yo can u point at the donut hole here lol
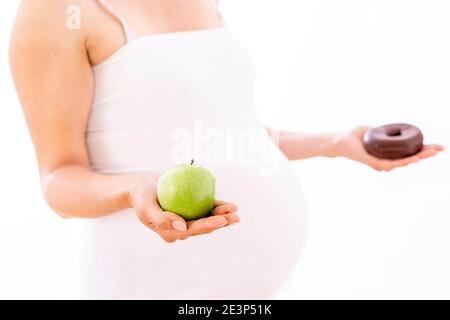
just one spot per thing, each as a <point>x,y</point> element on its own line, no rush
<point>394,132</point>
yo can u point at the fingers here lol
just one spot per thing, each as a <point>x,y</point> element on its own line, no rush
<point>152,215</point>
<point>206,225</point>
<point>437,147</point>
<point>427,153</point>
<point>232,218</point>
<point>196,228</point>
<point>203,226</point>
<point>168,221</point>
<point>222,207</point>
<point>429,149</point>
<point>388,165</point>
<point>403,162</point>
<point>171,227</point>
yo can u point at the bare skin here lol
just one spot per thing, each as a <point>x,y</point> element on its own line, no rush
<point>52,70</point>
<point>348,144</point>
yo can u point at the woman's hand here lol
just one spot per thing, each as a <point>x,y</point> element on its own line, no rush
<point>170,226</point>
<point>350,145</point>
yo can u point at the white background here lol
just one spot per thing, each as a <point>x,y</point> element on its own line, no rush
<point>323,65</point>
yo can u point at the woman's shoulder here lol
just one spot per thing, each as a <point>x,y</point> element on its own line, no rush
<point>42,22</point>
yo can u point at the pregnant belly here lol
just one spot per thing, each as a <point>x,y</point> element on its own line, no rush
<point>123,259</point>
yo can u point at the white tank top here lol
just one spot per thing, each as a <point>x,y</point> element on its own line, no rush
<point>159,101</point>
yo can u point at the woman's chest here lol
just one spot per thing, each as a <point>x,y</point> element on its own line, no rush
<point>106,34</point>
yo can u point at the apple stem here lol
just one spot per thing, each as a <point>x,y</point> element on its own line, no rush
<point>192,162</point>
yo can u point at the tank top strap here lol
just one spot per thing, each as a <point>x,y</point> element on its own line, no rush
<point>130,35</point>
<point>215,4</point>
<point>128,32</point>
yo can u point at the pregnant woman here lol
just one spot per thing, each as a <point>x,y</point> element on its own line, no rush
<point>111,94</point>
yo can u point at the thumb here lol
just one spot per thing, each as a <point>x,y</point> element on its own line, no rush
<point>168,220</point>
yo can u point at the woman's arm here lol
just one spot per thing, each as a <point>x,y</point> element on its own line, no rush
<point>297,146</point>
<point>55,84</point>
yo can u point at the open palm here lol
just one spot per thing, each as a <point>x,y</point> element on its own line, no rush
<point>351,146</point>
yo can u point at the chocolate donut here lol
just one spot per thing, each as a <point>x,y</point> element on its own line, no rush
<point>393,141</point>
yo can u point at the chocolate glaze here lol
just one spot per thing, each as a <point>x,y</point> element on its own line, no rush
<point>393,141</point>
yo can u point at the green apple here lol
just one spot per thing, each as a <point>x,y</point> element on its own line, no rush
<point>187,190</point>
